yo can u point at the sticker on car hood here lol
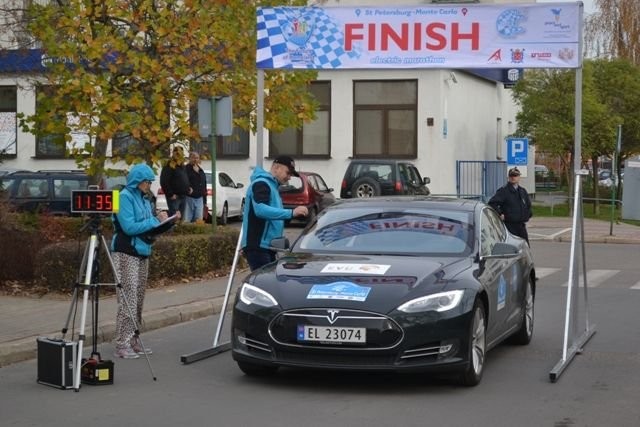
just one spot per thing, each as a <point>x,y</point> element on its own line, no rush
<point>339,291</point>
<point>355,268</point>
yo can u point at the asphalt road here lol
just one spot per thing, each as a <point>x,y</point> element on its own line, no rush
<point>599,388</point>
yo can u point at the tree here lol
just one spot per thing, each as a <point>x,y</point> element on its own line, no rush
<point>615,28</point>
<point>133,69</point>
<point>546,98</point>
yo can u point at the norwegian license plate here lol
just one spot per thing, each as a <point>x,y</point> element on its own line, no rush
<point>332,334</point>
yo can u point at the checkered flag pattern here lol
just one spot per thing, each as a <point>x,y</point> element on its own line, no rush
<point>336,232</point>
<point>325,43</point>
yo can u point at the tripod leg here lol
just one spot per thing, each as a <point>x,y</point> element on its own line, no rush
<point>74,297</point>
<point>91,250</point>
<point>127,305</point>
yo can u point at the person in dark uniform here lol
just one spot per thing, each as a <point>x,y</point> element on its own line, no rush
<point>513,204</point>
<point>175,182</point>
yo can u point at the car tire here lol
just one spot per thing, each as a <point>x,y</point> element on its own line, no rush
<point>224,216</point>
<point>365,187</point>
<point>253,370</point>
<point>477,346</point>
<point>524,334</point>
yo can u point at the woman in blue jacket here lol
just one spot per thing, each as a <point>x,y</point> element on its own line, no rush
<point>135,228</point>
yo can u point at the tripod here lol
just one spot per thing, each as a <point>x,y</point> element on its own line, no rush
<point>88,277</point>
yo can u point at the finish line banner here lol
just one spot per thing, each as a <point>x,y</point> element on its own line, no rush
<point>446,36</point>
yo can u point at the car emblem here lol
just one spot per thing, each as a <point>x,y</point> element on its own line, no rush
<point>332,317</point>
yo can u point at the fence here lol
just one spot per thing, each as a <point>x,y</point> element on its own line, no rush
<point>479,178</point>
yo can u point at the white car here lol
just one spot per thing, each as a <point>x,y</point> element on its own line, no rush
<point>229,197</point>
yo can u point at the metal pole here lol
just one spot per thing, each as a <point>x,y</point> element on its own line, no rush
<point>614,178</point>
<point>260,119</point>
<point>214,178</point>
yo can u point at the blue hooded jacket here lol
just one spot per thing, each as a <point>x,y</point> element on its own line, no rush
<point>135,216</point>
<point>263,222</point>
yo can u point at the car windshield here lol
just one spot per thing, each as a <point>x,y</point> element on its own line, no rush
<point>393,232</point>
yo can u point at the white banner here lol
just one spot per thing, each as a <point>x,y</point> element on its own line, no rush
<point>438,36</point>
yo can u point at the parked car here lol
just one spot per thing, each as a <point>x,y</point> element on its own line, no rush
<point>229,198</point>
<point>308,190</point>
<point>388,284</point>
<point>49,191</point>
<point>369,178</point>
<point>541,171</point>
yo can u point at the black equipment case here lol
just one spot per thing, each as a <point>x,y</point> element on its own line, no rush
<point>56,362</point>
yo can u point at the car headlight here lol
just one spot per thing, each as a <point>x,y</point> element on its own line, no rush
<point>252,295</point>
<point>442,301</point>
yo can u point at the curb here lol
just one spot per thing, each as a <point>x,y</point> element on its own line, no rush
<point>25,348</point>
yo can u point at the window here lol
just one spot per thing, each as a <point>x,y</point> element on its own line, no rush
<point>314,138</point>
<point>491,231</point>
<point>385,118</point>
<point>123,143</point>
<point>48,145</point>
<point>234,146</point>
<point>8,121</point>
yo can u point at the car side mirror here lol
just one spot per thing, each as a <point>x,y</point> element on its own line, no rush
<point>280,244</point>
<point>239,185</point>
<point>426,180</point>
<point>330,190</point>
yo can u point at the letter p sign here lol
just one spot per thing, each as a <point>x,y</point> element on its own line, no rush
<point>517,151</point>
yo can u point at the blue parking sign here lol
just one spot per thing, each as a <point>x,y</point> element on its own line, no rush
<point>517,151</point>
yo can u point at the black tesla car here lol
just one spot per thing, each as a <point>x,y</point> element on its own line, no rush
<point>399,283</point>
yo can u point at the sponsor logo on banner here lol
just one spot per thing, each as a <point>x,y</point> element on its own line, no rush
<point>509,22</point>
<point>513,75</point>
<point>566,54</point>
<point>517,56</point>
<point>496,57</point>
<point>556,27</point>
<point>541,56</point>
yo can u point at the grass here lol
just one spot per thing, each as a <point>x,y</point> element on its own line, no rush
<point>562,210</point>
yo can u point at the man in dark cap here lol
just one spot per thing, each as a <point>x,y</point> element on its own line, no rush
<point>513,204</point>
<point>264,215</point>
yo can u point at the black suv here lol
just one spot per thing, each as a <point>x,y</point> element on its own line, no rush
<point>48,191</point>
<point>369,178</point>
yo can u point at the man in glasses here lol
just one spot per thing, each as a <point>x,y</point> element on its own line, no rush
<point>264,216</point>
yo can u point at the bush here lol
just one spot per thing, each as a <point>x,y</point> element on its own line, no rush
<point>174,257</point>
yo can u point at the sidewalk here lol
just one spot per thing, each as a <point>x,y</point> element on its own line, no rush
<point>23,319</point>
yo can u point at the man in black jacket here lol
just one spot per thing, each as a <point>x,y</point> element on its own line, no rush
<point>174,182</point>
<point>513,204</point>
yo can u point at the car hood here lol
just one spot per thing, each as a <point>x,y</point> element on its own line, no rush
<point>377,283</point>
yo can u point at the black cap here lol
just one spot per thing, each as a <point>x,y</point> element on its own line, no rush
<point>288,162</point>
<point>514,172</point>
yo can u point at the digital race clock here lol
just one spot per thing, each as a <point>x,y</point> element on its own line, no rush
<point>95,201</point>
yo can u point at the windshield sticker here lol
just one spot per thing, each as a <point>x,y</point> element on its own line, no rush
<point>441,226</point>
<point>502,293</point>
<point>379,269</point>
<point>339,291</point>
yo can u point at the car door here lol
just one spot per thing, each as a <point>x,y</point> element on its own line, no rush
<point>493,275</point>
<point>326,194</point>
<point>233,195</point>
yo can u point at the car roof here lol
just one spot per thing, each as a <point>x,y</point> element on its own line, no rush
<point>424,202</point>
<point>380,161</point>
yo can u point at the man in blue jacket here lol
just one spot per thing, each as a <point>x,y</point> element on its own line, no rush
<point>264,215</point>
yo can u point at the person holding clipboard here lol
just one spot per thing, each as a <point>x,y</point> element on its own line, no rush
<point>135,230</point>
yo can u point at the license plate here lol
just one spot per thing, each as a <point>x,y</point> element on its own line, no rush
<point>332,334</point>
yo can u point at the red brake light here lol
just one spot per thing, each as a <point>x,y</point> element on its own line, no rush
<point>344,184</point>
<point>398,186</point>
<point>160,191</point>
<point>209,192</point>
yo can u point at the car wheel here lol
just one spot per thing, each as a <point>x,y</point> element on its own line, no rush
<point>365,187</point>
<point>253,370</point>
<point>525,332</point>
<point>224,217</point>
<point>477,346</point>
